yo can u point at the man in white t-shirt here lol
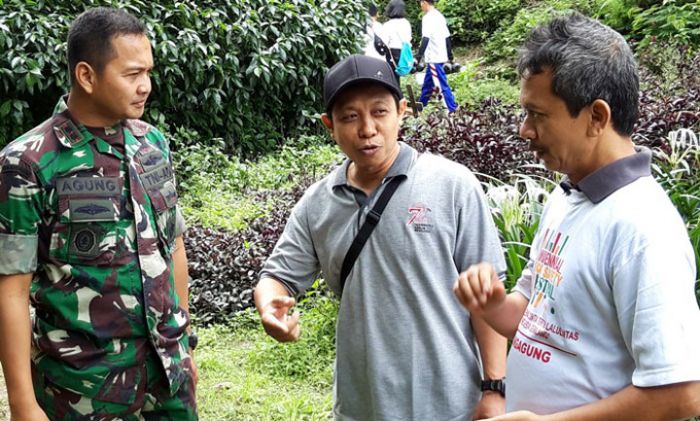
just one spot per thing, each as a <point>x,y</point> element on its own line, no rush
<point>604,320</point>
<point>435,47</point>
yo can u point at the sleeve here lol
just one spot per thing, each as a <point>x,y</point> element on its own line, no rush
<point>180,224</point>
<point>164,143</point>
<point>406,36</point>
<point>421,50</point>
<point>658,313</point>
<point>477,238</point>
<point>448,46</point>
<point>20,215</point>
<point>293,260</point>
<point>425,27</point>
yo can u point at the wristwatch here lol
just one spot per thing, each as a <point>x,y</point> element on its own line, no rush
<point>498,385</point>
<point>192,340</point>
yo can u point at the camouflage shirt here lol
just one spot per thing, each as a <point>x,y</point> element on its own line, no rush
<point>96,223</point>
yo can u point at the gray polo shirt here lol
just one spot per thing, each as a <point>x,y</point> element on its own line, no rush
<point>405,348</point>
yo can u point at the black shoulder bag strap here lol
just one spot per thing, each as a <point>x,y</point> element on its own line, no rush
<point>366,230</point>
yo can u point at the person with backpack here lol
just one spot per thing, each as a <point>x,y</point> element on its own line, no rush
<point>397,37</point>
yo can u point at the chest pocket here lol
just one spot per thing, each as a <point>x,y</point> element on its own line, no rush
<point>87,227</point>
<point>158,180</point>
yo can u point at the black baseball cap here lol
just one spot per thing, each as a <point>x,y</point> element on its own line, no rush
<point>355,69</point>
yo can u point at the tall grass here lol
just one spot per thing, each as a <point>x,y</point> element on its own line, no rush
<point>516,208</point>
<point>677,169</point>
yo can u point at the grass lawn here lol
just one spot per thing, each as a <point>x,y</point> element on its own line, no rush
<point>245,375</point>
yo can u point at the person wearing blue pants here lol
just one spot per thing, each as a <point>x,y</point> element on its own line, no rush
<point>435,47</point>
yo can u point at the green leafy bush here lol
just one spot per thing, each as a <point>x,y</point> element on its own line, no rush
<point>674,22</point>
<point>473,85</point>
<point>221,191</point>
<point>246,71</point>
<point>473,21</point>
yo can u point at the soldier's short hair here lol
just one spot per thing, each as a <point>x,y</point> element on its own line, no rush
<point>90,36</point>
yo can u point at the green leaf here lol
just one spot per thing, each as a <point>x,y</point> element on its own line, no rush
<point>5,108</point>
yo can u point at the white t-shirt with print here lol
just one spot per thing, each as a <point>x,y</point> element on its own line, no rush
<point>612,302</point>
<point>434,27</point>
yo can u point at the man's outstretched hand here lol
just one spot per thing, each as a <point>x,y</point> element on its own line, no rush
<point>277,321</point>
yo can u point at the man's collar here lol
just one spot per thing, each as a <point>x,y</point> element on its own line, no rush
<point>401,166</point>
<point>71,133</point>
<point>607,180</point>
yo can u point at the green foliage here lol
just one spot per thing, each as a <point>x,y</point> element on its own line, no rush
<point>215,188</point>
<point>245,71</point>
<point>475,20</point>
<point>473,85</point>
<point>618,14</point>
<point>673,69</point>
<point>678,172</point>
<point>673,21</point>
<point>504,43</point>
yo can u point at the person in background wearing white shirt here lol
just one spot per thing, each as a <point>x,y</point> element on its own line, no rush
<point>436,48</point>
<point>374,29</point>
<point>397,29</point>
<point>604,319</point>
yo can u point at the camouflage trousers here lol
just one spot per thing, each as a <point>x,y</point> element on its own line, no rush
<point>153,402</point>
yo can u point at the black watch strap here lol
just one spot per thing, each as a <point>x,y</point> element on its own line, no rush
<point>498,385</point>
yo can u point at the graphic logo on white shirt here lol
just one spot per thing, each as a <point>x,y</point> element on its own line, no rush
<point>420,218</point>
<point>547,270</point>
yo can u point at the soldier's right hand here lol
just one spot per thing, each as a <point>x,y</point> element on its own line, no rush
<point>29,413</point>
<point>277,321</point>
<point>479,289</point>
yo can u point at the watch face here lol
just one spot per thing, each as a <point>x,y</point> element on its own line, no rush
<point>193,340</point>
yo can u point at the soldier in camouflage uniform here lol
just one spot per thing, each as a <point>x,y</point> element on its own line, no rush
<point>91,232</point>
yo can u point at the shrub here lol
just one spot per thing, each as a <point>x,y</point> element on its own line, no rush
<point>670,97</point>
<point>675,22</point>
<point>485,140</point>
<point>472,21</point>
<point>218,191</point>
<point>245,71</point>
<point>505,42</point>
<point>474,85</point>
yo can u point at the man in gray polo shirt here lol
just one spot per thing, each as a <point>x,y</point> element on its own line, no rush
<point>405,347</point>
